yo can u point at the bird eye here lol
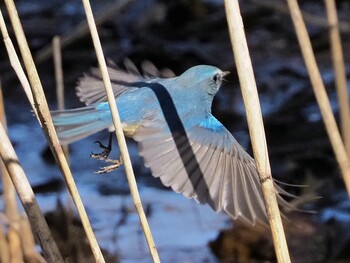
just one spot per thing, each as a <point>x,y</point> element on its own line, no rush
<point>216,78</point>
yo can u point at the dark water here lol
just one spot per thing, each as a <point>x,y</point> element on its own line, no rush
<point>178,35</point>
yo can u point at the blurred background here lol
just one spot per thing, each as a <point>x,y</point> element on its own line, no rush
<point>178,35</point>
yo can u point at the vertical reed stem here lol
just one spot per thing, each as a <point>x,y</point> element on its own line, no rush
<point>57,59</point>
<point>119,132</point>
<point>320,92</point>
<point>10,200</point>
<point>43,114</point>
<point>340,74</point>
<point>28,243</point>
<point>26,195</point>
<point>4,247</point>
<point>256,126</point>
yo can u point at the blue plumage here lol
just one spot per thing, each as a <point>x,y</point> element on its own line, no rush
<point>179,139</point>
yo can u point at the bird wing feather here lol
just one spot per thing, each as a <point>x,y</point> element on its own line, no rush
<point>91,89</point>
<point>207,165</point>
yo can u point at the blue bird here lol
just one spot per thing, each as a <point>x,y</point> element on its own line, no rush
<point>179,139</point>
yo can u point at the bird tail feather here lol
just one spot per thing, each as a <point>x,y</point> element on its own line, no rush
<point>75,124</point>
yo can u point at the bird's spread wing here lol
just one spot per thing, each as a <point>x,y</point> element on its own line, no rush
<point>206,164</point>
<point>91,90</point>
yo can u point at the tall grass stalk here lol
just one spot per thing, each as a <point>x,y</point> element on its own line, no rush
<point>26,195</point>
<point>10,200</point>
<point>310,17</point>
<point>256,126</point>
<point>119,132</point>
<point>57,60</point>
<point>82,29</point>
<point>30,254</point>
<point>4,248</point>
<point>320,92</point>
<point>43,114</point>
<point>340,74</point>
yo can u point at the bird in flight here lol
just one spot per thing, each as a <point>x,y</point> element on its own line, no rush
<point>178,137</point>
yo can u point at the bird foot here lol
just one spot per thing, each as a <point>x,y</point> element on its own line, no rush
<point>102,155</point>
<point>109,168</point>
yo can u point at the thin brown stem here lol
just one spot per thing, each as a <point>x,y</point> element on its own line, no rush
<point>4,248</point>
<point>320,92</point>
<point>310,18</point>
<point>26,195</point>
<point>119,133</point>
<point>340,74</point>
<point>10,200</point>
<point>43,114</point>
<point>57,60</point>
<point>82,29</point>
<point>28,243</point>
<point>256,126</point>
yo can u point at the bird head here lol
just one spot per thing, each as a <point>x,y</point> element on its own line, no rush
<point>204,77</point>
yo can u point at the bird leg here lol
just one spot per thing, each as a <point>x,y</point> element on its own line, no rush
<point>106,149</point>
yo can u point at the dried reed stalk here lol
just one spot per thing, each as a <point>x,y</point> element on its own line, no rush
<point>26,195</point>
<point>119,132</point>
<point>15,63</point>
<point>57,60</point>
<point>13,235</point>
<point>82,29</point>
<point>28,243</point>
<point>4,247</point>
<point>10,201</point>
<point>41,107</point>
<point>256,126</point>
<point>320,92</point>
<point>340,74</point>
<point>310,18</point>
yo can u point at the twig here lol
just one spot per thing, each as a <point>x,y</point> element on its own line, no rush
<point>82,29</point>
<point>340,74</point>
<point>119,132</point>
<point>40,105</point>
<point>28,200</point>
<point>256,126</point>
<point>308,17</point>
<point>320,92</point>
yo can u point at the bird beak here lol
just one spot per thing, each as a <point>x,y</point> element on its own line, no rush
<point>225,73</point>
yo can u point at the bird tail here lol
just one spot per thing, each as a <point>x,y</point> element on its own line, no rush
<point>75,124</point>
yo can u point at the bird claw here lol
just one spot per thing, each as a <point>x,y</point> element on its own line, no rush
<point>102,155</point>
<point>109,168</point>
